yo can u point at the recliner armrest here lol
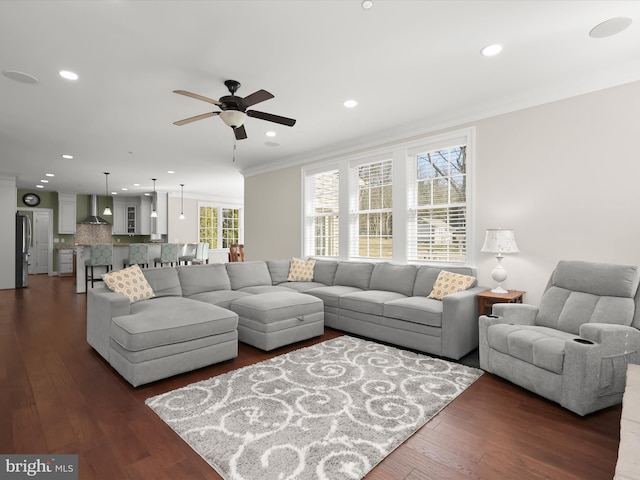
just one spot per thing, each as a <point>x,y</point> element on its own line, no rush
<point>605,333</point>
<point>516,313</point>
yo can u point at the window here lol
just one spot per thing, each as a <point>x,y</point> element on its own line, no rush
<point>406,202</point>
<point>322,217</point>
<point>230,226</point>
<point>209,226</point>
<point>438,205</point>
<point>220,227</point>
<point>374,210</point>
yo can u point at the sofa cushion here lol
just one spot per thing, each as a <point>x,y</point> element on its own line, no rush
<point>427,275</point>
<point>331,295</point>
<point>169,320</point>
<point>353,274</point>
<point>449,282</point>
<point>301,286</point>
<point>269,308</point>
<point>130,282</point>
<point>221,298</point>
<point>369,301</point>
<point>248,274</point>
<point>203,278</point>
<point>539,346</point>
<point>422,310</point>
<point>164,281</point>
<point>279,270</point>
<point>325,271</point>
<point>259,289</point>
<point>301,270</point>
<point>393,278</point>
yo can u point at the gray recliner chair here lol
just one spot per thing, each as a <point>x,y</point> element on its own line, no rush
<point>574,348</point>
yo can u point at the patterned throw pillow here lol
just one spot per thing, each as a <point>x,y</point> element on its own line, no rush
<point>301,270</point>
<point>130,282</point>
<point>449,282</point>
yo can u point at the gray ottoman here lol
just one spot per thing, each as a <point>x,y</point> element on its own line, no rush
<point>271,320</point>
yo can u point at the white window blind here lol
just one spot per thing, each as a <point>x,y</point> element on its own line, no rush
<point>372,228</point>
<point>322,217</point>
<point>437,229</point>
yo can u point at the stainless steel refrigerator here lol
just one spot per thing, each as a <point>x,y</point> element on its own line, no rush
<point>23,242</point>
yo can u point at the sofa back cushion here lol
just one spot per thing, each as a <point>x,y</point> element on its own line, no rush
<point>164,281</point>
<point>324,271</point>
<point>393,278</point>
<point>427,275</point>
<point>279,270</point>
<point>203,278</point>
<point>248,274</point>
<point>353,274</point>
<point>587,292</point>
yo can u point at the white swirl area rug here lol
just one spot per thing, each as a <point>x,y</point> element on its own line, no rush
<point>330,411</point>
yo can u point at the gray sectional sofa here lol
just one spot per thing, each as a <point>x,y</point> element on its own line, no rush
<point>200,312</point>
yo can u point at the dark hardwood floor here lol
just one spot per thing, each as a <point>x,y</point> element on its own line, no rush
<point>58,396</point>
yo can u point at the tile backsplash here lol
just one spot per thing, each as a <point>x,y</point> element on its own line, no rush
<point>92,234</point>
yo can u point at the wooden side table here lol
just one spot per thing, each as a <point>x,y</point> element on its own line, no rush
<point>487,298</point>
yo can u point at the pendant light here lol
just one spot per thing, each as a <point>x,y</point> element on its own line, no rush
<point>154,201</point>
<point>181,217</point>
<point>107,210</point>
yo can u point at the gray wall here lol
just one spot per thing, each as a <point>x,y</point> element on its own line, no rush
<point>564,175</point>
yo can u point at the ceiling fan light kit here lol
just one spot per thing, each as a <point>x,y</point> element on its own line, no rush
<point>233,109</point>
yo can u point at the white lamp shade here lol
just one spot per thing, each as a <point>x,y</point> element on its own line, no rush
<point>233,118</point>
<point>500,240</point>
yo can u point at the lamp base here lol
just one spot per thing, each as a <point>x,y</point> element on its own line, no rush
<point>499,289</point>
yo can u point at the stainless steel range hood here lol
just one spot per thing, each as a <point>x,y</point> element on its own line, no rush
<point>94,219</point>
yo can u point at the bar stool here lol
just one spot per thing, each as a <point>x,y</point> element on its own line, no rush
<point>138,255</point>
<point>101,256</point>
<point>168,254</point>
<point>201,255</point>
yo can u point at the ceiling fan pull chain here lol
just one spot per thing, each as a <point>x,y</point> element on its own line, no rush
<point>234,150</point>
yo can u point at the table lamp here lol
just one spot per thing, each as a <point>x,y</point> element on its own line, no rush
<point>499,241</point>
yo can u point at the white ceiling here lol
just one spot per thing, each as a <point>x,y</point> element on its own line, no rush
<point>413,66</point>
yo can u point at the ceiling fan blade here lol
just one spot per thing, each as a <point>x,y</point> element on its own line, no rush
<point>196,96</point>
<point>196,118</point>
<point>240,132</point>
<point>270,117</point>
<point>256,97</point>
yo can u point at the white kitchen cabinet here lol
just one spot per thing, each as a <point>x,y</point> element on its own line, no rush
<point>144,215</point>
<point>160,225</point>
<point>65,262</point>
<point>119,216</point>
<point>66,213</point>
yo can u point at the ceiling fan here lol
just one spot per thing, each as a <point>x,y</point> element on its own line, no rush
<point>233,109</point>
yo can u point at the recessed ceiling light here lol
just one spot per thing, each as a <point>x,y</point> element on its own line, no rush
<point>39,186</point>
<point>49,174</point>
<point>367,4</point>
<point>148,194</point>
<point>67,156</point>
<point>350,103</point>
<point>124,189</point>
<point>270,133</point>
<point>491,50</point>
<point>68,75</point>
<point>136,184</point>
<point>20,76</point>
<point>44,181</point>
<point>170,171</point>
<point>114,193</point>
<point>610,27</point>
